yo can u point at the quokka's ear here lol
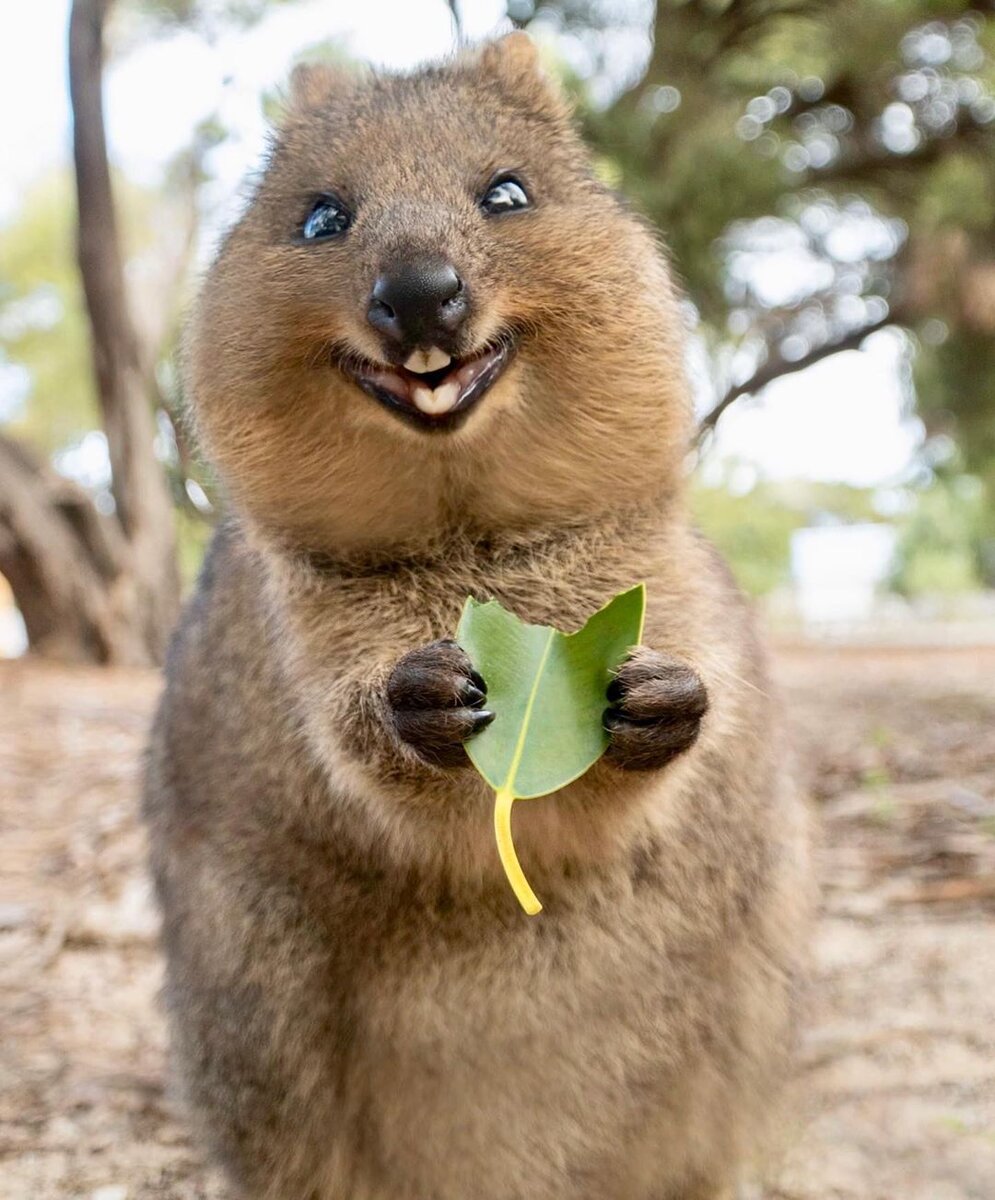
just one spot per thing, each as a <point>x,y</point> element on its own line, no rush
<point>514,61</point>
<point>514,55</point>
<point>313,84</point>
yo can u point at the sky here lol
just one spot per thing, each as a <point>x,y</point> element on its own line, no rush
<point>841,420</point>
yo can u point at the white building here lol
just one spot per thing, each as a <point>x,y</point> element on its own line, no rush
<point>838,571</point>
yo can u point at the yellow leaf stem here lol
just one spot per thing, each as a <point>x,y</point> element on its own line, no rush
<point>504,798</point>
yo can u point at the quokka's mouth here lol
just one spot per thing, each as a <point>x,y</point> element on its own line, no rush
<point>432,390</point>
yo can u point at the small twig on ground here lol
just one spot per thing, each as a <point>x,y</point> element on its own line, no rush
<point>949,891</point>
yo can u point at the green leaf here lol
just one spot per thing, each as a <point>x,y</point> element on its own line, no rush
<point>547,692</point>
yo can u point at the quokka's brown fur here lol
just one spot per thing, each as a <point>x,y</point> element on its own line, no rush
<point>359,1009</point>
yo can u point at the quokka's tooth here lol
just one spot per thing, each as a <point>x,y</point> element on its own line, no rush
<point>447,394</point>
<point>420,362</point>
<point>436,359</point>
<point>435,403</point>
<point>417,361</point>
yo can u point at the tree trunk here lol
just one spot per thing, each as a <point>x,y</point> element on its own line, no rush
<point>67,566</point>
<point>144,510</point>
<point>90,586</point>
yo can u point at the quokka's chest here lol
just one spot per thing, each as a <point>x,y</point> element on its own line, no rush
<point>424,602</point>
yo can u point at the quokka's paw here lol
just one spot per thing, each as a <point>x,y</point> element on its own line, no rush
<point>656,706</point>
<point>436,701</point>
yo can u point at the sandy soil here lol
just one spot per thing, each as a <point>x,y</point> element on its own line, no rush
<point>897,1085</point>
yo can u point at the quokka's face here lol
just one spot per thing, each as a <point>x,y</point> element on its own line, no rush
<point>419,240</point>
<point>432,315</point>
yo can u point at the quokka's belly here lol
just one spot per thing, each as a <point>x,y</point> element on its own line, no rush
<point>536,1078</point>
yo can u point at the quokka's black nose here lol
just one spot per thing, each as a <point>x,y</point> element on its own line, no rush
<point>419,303</point>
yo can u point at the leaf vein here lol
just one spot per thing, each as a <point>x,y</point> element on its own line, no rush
<point>523,733</point>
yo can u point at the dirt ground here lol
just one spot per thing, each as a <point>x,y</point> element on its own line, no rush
<point>897,1083</point>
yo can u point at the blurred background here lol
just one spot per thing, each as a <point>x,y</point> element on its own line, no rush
<point>823,173</point>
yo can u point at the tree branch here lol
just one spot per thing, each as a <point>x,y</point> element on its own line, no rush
<point>142,501</point>
<point>116,354</point>
<point>777,366</point>
<point>873,163</point>
<point>457,17</point>
<point>64,563</point>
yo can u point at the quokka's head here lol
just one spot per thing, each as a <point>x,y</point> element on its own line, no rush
<point>433,313</point>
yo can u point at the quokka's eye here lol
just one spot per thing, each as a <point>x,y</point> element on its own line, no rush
<point>505,194</point>
<point>328,218</point>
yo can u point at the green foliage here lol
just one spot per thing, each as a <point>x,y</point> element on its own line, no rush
<point>812,115</point>
<point>547,692</point>
<point>775,108</point>
<point>955,381</point>
<point>140,19</point>
<point>753,531</point>
<point>959,193</point>
<point>948,570</point>
<point>939,545</point>
<point>42,321</point>
<point>43,324</point>
<point>944,544</point>
<point>753,527</point>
